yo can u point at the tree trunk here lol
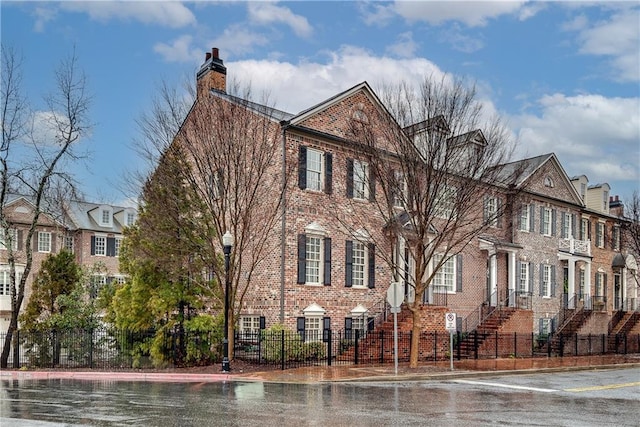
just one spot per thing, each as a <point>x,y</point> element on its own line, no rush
<point>6,348</point>
<point>414,307</point>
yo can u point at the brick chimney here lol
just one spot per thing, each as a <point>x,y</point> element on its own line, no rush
<point>212,74</point>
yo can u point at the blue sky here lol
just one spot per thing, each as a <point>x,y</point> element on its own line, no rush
<point>565,76</point>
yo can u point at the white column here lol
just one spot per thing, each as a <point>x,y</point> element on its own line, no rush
<point>493,268</point>
<point>587,284</point>
<point>512,278</point>
<point>571,289</point>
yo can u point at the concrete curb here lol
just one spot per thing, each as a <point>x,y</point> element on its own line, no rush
<point>114,376</point>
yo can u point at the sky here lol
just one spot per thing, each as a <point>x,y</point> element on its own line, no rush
<point>564,76</point>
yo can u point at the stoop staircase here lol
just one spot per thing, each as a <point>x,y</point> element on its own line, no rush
<point>574,319</point>
<point>621,324</point>
<point>488,327</point>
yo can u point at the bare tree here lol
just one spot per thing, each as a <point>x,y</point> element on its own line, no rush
<point>233,149</point>
<point>435,158</point>
<point>33,159</point>
<point>631,228</point>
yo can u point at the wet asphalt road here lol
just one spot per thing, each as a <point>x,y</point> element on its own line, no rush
<point>583,398</point>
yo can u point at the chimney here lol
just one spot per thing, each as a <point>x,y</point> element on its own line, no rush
<point>212,74</point>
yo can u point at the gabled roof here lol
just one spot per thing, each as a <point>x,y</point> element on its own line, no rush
<point>474,136</point>
<point>437,123</point>
<point>527,168</point>
<point>364,86</point>
<point>47,209</point>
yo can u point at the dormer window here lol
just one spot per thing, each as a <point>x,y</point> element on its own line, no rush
<point>106,216</point>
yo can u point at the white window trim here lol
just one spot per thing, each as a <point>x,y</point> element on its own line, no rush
<point>360,179</point>
<point>365,264</point>
<point>440,275</point>
<point>320,172</point>
<point>14,239</point>
<point>524,276</point>
<point>253,321</point>
<point>313,334</point>
<point>546,222</point>
<point>320,260</point>
<point>100,236</point>
<point>40,242</point>
<point>525,219</point>
<point>600,231</point>
<point>546,279</point>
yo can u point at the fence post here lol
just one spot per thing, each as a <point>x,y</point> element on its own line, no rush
<point>515,344</point>
<point>497,344</point>
<point>91,348</point>
<point>459,343</point>
<point>603,343</point>
<point>561,350</point>
<point>282,350</point>
<point>329,345</point>
<point>435,346</point>
<point>356,348</point>
<point>475,344</point>
<point>381,345</point>
<point>548,345</point>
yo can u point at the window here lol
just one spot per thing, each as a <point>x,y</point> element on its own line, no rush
<point>313,328</point>
<point>399,190</point>
<point>600,235</point>
<point>13,236</point>
<point>600,282</point>
<point>44,241</point>
<point>119,279</point>
<point>105,217</point>
<point>314,259</point>
<point>68,243</point>
<point>566,225</point>
<point>250,324</point>
<point>548,182</point>
<point>314,256</point>
<point>523,280</point>
<point>359,264</point>
<point>581,284</point>
<point>615,238</point>
<point>546,222</point>
<point>131,218</point>
<point>5,283</point>
<point>446,202</point>
<point>492,211</point>
<point>97,282</point>
<point>360,184</point>
<point>314,165</point>
<point>445,277</point>
<point>100,246</point>
<point>117,243</point>
<point>546,282</point>
<point>525,218</point>
<point>546,326</point>
<point>584,229</point>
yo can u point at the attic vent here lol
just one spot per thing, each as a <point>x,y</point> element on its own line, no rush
<point>548,182</point>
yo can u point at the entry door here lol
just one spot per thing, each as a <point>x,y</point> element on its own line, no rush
<point>617,292</point>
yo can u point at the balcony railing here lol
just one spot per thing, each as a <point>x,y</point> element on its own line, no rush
<point>574,246</point>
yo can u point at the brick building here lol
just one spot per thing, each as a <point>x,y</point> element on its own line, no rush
<point>92,232</point>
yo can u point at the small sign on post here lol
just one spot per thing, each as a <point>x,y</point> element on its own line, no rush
<point>395,298</point>
<point>450,324</point>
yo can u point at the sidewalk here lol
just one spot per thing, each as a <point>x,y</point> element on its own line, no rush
<point>345,373</point>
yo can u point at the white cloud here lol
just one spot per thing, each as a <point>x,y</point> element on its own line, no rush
<point>238,39</point>
<point>405,47</point>
<point>178,51</point>
<point>591,134</point>
<point>459,41</point>
<point>618,38</point>
<point>470,13</point>
<point>165,13</point>
<point>268,13</point>
<point>43,15</point>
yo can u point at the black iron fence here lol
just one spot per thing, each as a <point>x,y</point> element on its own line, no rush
<point>283,349</point>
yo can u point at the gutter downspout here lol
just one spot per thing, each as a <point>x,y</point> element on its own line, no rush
<point>284,125</point>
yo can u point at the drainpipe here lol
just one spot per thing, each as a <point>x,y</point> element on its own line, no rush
<point>284,125</point>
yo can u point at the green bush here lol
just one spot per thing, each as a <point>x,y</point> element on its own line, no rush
<point>272,340</point>
<point>204,333</point>
<point>314,350</point>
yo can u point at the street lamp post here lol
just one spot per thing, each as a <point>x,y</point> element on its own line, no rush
<point>227,244</point>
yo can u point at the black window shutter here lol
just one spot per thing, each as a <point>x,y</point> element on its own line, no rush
<point>328,173</point>
<point>326,329</point>
<point>348,326</point>
<point>371,277</point>
<point>350,178</point>
<point>372,184</point>
<point>499,212</point>
<point>540,326</point>
<point>348,264</point>
<point>93,245</point>
<point>532,219</point>
<point>604,285</point>
<point>19,240</point>
<point>520,220</point>
<point>574,218</point>
<point>370,323</point>
<point>541,219</point>
<point>459,273</point>
<point>530,288</point>
<point>604,235</point>
<point>300,327</point>
<point>302,258</point>
<point>553,280</point>
<point>553,325</point>
<point>302,167</point>
<point>54,238</point>
<point>111,246</point>
<point>563,227</point>
<point>518,270</point>
<point>327,261</point>
<point>263,323</point>
<point>553,222</point>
